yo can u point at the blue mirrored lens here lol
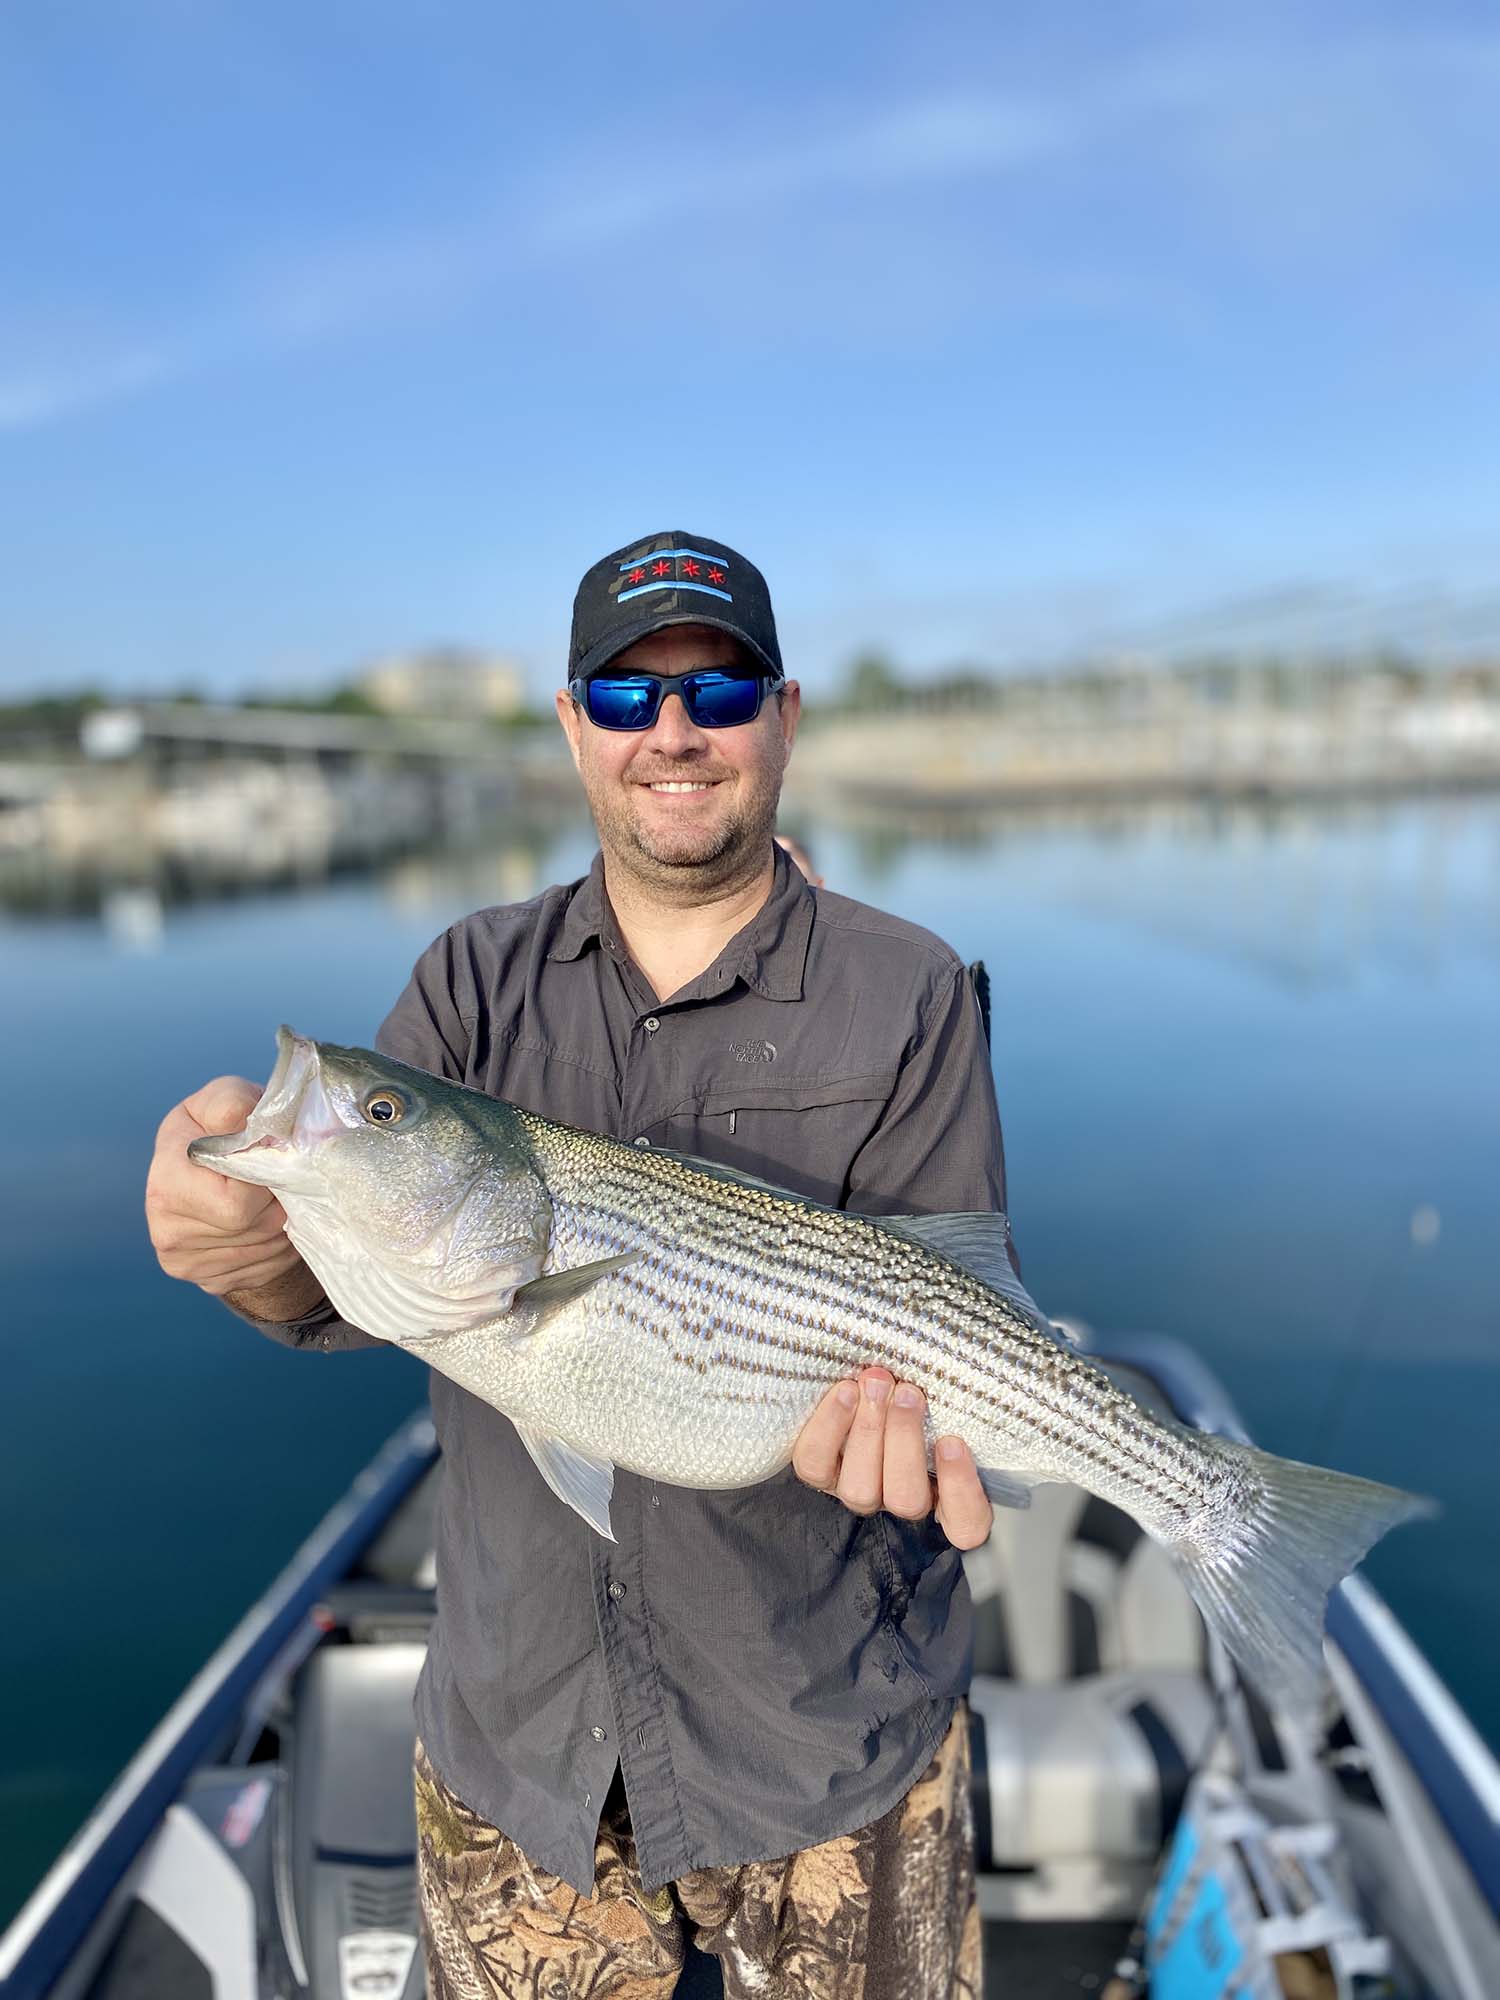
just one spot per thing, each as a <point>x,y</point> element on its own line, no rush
<point>713,699</point>
<point>624,704</point>
<point>720,701</point>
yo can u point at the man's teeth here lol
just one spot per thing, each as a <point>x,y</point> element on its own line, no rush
<point>675,786</point>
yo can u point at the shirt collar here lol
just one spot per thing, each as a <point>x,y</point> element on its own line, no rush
<point>769,954</point>
<point>589,919</point>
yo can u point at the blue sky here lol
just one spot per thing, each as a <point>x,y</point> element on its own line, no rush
<point>989,332</point>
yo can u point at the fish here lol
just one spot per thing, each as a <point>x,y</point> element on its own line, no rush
<point>634,1307</point>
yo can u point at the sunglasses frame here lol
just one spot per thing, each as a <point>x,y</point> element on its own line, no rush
<point>666,684</point>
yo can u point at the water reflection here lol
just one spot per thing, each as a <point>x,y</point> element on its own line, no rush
<point>1311,896</point>
<point>513,870</point>
<point>134,919</point>
<point>501,860</point>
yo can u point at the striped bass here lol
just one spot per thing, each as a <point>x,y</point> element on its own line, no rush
<point>632,1307</point>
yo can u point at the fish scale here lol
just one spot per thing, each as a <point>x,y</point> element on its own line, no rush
<point>626,1306</point>
<point>1069,1421</point>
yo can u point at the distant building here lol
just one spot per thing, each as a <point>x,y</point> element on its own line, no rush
<point>457,681</point>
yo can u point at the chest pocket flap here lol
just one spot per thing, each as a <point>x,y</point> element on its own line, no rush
<point>800,1135</point>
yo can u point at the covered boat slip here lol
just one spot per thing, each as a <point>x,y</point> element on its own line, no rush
<point>1130,1799</point>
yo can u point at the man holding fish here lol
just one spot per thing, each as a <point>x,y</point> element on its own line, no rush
<point>739,1721</point>
<point>751,1678</point>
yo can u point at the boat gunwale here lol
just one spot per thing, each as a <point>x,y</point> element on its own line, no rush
<point>35,1949</point>
<point>1449,1758</point>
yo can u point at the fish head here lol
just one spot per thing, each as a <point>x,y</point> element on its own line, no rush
<point>382,1167</point>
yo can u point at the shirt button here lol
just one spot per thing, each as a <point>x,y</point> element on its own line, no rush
<point>597,1733</point>
<point>651,1024</point>
<point>617,1591</point>
<point>642,1140</point>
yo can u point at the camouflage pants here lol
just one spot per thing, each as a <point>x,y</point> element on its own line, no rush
<point>887,1913</point>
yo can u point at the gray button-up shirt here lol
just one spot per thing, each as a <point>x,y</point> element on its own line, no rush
<point>767,1669</point>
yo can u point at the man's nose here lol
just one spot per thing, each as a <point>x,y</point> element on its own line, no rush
<point>674,729</point>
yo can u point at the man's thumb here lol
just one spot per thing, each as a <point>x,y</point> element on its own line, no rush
<point>225,1104</point>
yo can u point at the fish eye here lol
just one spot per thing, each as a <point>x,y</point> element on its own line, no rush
<point>384,1107</point>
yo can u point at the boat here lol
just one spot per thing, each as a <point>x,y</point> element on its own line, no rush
<point>1142,1821</point>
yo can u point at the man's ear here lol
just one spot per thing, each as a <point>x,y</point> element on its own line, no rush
<point>790,705</point>
<point>570,715</point>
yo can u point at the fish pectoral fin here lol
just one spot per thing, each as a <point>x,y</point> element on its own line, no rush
<point>585,1484</point>
<point>545,1296</point>
<point>1006,1489</point>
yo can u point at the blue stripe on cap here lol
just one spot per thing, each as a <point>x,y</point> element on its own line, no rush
<point>659,555</point>
<point>670,583</point>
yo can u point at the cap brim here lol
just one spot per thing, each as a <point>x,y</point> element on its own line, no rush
<point>608,649</point>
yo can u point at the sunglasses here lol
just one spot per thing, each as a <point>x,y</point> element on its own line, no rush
<point>714,697</point>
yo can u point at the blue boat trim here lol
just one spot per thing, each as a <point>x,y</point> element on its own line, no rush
<point>1452,1789</point>
<point>47,1938</point>
<point>1455,1791</point>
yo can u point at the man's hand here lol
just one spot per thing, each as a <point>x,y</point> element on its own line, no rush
<point>865,1444</point>
<point>223,1235</point>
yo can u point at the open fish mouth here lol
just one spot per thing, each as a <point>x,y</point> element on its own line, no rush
<point>294,1115</point>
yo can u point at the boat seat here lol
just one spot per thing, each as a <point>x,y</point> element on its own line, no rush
<point>1084,1771</point>
<point>353,1820</point>
<point>1071,1586</point>
<point>1090,1705</point>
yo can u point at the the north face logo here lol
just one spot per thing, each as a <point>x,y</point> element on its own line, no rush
<point>753,1051</point>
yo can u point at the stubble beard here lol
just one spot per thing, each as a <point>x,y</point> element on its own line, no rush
<point>687,866</point>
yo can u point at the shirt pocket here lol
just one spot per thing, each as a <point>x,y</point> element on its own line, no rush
<point>803,1135</point>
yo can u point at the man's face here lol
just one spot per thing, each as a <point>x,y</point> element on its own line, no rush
<point>674,803</point>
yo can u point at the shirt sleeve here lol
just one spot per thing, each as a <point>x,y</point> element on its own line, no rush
<point>431,1026</point>
<point>428,1029</point>
<point>938,1147</point>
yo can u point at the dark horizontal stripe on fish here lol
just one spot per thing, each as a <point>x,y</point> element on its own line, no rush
<point>904,1345</point>
<point>1066,1402</point>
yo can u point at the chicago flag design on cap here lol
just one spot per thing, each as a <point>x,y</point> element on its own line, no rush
<point>674,569</point>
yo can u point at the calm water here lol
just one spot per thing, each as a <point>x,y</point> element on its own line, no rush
<point>1248,1073</point>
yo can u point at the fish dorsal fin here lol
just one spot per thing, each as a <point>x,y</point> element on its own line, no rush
<point>585,1484</point>
<point>979,1243</point>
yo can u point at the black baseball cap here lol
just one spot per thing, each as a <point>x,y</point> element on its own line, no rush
<point>670,579</point>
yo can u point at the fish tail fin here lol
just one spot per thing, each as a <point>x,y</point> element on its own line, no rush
<point>1263,1584</point>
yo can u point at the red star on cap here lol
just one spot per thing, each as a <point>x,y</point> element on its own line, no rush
<point>661,569</point>
<point>716,576</point>
<point>636,576</point>
<point>690,568</point>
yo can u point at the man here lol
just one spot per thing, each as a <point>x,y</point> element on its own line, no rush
<point>742,1720</point>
